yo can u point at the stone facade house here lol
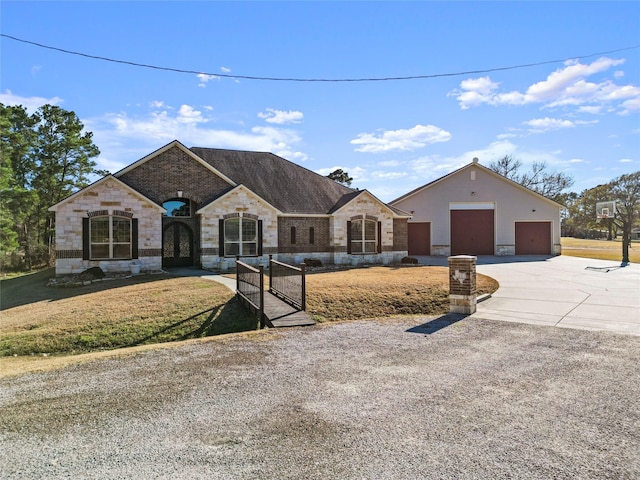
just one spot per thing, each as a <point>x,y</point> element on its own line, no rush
<point>476,211</point>
<point>205,206</point>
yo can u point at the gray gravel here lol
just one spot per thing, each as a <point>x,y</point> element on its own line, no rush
<point>366,400</point>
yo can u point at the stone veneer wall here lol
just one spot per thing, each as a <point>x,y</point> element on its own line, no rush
<point>364,205</point>
<point>240,201</point>
<point>108,195</point>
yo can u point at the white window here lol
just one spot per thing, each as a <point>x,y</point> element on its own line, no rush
<point>363,236</point>
<point>240,237</point>
<point>110,237</point>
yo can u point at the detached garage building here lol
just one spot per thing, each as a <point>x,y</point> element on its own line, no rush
<point>476,211</point>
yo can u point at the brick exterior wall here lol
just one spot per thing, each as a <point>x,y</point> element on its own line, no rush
<point>400,234</point>
<point>161,177</point>
<point>321,240</point>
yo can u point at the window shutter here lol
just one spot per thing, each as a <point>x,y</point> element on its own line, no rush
<point>349,237</point>
<point>86,239</point>
<point>221,237</point>
<point>379,237</point>
<point>259,237</point>
<point>293,235</point>
<point>134,238</point>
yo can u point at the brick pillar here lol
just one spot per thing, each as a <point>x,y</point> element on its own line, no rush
<point>462,284</point>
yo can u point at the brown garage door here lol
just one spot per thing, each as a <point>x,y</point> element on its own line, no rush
<point>533,238</point>
<point>419,238</point>
<point>472,232</point>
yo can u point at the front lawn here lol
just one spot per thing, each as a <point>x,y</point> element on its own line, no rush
<point>147,309</point>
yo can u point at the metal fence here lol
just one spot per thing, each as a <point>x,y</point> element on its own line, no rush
<point>250,287</point>
<point>288,282</point>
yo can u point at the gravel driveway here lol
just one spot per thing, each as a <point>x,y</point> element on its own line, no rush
<point>367,400</point>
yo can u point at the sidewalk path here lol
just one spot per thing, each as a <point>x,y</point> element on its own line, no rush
<point>197,272</point>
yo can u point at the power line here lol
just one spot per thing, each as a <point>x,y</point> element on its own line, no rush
<point>293,79</point>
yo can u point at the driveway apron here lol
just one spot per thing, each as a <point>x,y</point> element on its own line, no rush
<point>561,291</point>
<point>569,292</point>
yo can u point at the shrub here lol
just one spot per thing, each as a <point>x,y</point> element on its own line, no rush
<point>409,260</point>
<point>313,262</point>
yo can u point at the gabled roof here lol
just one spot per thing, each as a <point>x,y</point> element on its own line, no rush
<point>54,208</point>
<point>169,146</point>
<point>353,195</point>
<point>474,164</point>
<point>235,189</point>
<point>288,187</point>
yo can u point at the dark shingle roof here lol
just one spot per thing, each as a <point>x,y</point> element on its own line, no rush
<point>287,186</point>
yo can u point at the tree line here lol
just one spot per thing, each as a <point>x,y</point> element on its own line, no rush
<point>46,156</point>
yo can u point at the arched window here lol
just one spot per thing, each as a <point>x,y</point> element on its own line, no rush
<point>110,237</point>
<point>177,207</point>
<point>364,236</point>
<point>240,236</point>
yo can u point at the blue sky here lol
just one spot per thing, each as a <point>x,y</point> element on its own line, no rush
<point>581,114</point>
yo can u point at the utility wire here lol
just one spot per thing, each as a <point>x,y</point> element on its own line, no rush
<point>294,79</point>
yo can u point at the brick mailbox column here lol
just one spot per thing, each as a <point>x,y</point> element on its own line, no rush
<point>462,284</point>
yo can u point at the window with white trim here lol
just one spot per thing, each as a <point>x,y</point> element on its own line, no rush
<point>240,237</point>
<point>110,237</point>
<point>364,236</point>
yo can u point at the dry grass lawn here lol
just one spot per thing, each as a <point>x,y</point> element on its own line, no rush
<point>37,319</point>
<point>149,309</point>
<point>599,249</point>
<point>383,291</point>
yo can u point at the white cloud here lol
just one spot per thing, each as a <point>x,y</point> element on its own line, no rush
<point>225,70</point>
<point>30,103</point>
<point>400,140</point>
<point>204,79</point>
<point>625,160</point>
<point>541,125</point>
<point>124,138</point>
<point>567,86</point>
<point>592,109</point>
<point>188,114</point>
<point>157,104</point>
<point>631,105</point>
<point>280,117</point>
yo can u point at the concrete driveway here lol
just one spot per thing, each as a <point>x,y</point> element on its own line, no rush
<point>563,291</point>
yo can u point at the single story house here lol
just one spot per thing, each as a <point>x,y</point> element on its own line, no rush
<point>205,206</point>
<point>476,211</point>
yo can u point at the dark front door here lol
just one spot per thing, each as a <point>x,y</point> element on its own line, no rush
<point>177,245</point>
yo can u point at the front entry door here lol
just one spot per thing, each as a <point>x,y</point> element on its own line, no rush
<point>177,245</point>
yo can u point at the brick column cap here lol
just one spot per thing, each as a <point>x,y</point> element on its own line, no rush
<point>463,257</point>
